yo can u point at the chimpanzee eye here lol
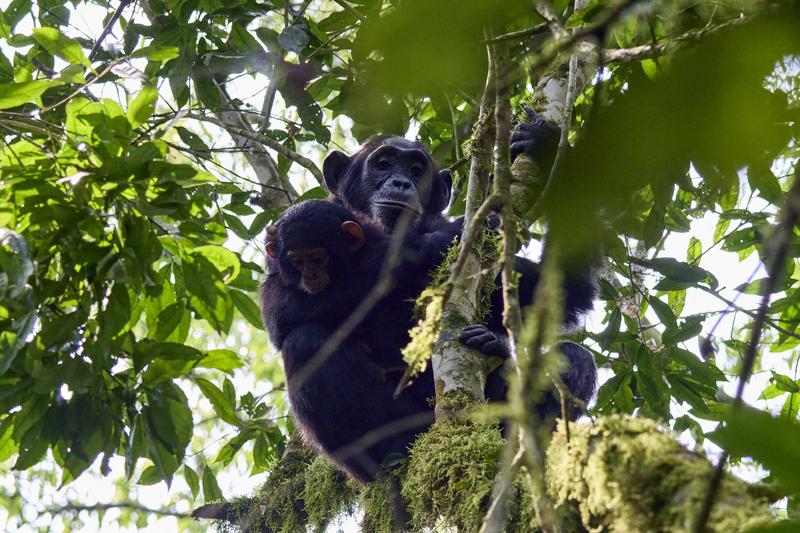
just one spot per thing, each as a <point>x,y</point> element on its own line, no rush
<point>384,164</point>
<point>416,171</point>
<point>296,262</point>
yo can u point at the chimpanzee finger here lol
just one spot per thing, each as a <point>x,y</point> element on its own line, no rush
<point>520,134</point>
<point>495,348</point>
<point>475,337</point>
<point>473,329</point>
<point>521,147</point>
<point>479,341</point>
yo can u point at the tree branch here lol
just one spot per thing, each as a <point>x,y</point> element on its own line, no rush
<point>102,507</point>
<point>96,47</point>
<point>263,139</point>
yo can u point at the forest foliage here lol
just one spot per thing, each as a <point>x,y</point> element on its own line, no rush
<point>141,162</point>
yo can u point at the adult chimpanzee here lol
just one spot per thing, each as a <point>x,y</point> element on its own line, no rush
<point>390,175</point>
<point>323,260</point>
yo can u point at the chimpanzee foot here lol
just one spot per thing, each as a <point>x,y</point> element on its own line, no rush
<point>481,339</point>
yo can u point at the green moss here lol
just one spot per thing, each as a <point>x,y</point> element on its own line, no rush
<point>451,474</point>
<point>279,505</point>
<point>455,401</point>
<point>376,500</point>
<point>328,493</point>
<point>489,249</point>
<point>628,475</point>
<point>425,334</point>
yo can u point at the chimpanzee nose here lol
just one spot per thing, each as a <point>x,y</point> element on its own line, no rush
<point>401,183</point>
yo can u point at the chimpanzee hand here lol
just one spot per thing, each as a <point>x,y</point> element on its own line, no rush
<point>535,137</point>
<point>480,338</point>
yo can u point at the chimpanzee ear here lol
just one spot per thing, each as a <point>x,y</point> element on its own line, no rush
<point>353,229</point>
<point>333,168</point>
<point>272,241</point>
<point>440,192</point>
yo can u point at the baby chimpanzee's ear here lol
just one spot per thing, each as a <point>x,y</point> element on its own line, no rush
<point>272,241</point>
<point>356,234</point>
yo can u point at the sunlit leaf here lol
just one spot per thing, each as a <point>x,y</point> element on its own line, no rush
<point>771,441</point>
<point>60,45</point>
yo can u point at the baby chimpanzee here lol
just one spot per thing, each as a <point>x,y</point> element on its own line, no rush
<point>323,260</point>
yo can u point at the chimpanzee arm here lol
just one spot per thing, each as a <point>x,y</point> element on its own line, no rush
<point>344,409</point>
<point>339,402</point>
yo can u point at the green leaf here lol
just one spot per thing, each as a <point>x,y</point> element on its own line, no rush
<point>32,446</point>
<point>770,441</point>
<point>222,405</point>
<point>156,52</point>
<point>16,94</point>
<point>785,383</point>
<point>211,490</point>
<point>192,140</point>
<point>168,427</point>
<point>663,312</point>
<point>8,446</point>
<point>60,45</point>
<point>150,476</point>
<point>677,270</point>
<point>586,14</point>
<point>225,360</point>
<point>690,328</point>
<point>225,261</point>
<point>142,107</point>
<point>207,293</point>
<point>207,91</point>
<point>694,250</point>
<point>229,450</point>
<point>791,407</point>
<point>704,372</point>
<point>169,319</point>
<point>607,336</point>
<point>247,308</point>
<point>190,476</point>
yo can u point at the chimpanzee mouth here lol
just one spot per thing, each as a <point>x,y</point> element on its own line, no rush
<point>398,205</point>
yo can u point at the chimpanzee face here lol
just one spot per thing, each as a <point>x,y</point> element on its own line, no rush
<point>388,177</point>
<point>314,243</point>
<point>312,266</point>
<point>400,177</point>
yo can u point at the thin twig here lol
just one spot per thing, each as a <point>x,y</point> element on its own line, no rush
<point>647,51</point>
<point>96,47</point>
<point>752,314</point>
<point>350,9</point>
<point>548,13</point>
<point>497,515</point>
<point>527,32</point>
<point>512,317</point>
<point>102,507</point>
<point>82,88</point>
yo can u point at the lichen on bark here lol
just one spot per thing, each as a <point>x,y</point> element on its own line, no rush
<point>630,475</point>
